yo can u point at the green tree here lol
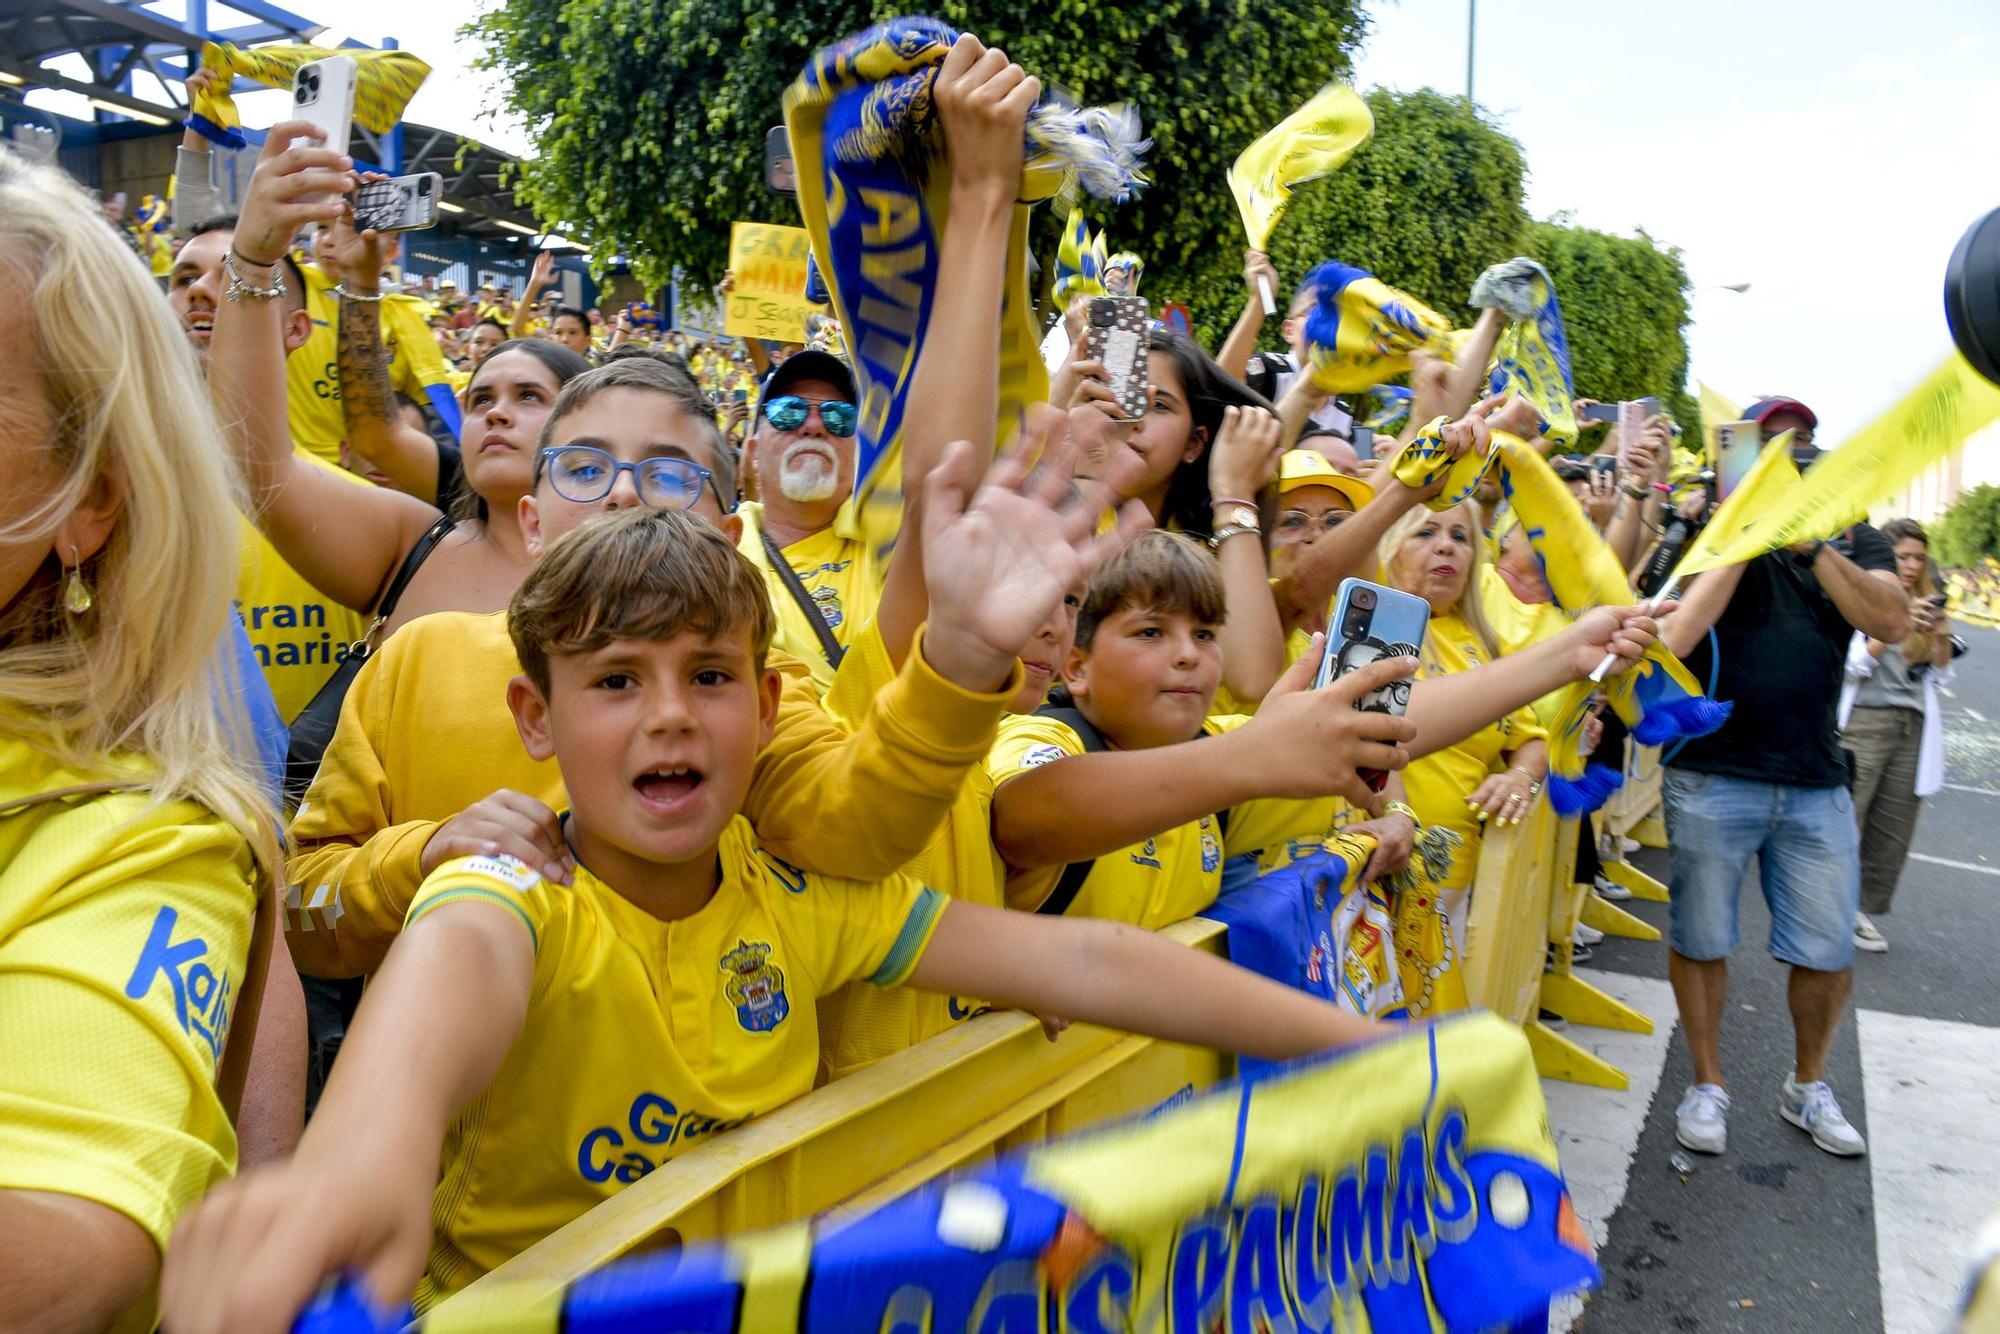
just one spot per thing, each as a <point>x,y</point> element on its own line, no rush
<point>1970,529</point>
<point>1625,308</point>
<point>649,115</point>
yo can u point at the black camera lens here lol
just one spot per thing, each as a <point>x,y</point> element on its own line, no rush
<point>1103,314</point>
<point>1364,597</point>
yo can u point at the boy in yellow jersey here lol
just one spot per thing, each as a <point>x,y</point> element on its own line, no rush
<point>530,1049</point>
<point>425,765</point>
<point>1134,827</point>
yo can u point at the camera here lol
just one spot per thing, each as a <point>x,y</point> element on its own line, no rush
<point>1972,295</point>
<point>308,87</point>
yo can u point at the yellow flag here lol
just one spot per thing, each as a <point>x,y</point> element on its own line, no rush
<point>1929,423</point>
<point>1716,408</point>
<point>384,83</point>
<point>1762,489</point>
<point>1309,143</point>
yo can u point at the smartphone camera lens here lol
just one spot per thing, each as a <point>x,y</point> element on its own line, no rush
<point>1103,314</point>
<point>1364,597</point>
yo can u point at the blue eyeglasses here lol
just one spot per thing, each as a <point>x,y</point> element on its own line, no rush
<point>586,475</point>
<point>788,412</point>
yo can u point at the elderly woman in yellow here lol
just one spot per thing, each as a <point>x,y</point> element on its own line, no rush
<point>1493,775</point>
<point>133,839</point>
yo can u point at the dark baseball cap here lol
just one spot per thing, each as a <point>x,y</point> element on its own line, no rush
<point>1803,453</point>
<point>808,365</point>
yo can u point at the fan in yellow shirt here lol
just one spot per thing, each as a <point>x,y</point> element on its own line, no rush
<point>298,633</point>
<point>644,1037</point>
<point>550,1045</point>
<point>803,443</point>
<point>124,930</point>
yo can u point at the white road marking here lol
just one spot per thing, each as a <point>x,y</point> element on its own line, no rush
<point>1597,1130</point>
<point>1975,791</point>
<point>1956,866</point>
<point>1933,1096</point>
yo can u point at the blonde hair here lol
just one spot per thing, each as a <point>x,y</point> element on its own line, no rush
<point>140,685</point>
<point>1469,608</point>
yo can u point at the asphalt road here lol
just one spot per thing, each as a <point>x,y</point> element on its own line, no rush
<point>1775,1234</point>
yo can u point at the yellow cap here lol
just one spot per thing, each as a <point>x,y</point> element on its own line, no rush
<point>1308,467</point>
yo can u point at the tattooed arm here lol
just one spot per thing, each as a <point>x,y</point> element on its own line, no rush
<point>408,457</point>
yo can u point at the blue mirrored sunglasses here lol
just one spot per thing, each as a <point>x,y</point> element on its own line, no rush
<point>788,412</point>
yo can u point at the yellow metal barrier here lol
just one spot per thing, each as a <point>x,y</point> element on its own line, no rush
<point>1634,812</point>
<point>989,1085</point>
<point>1525,900</point>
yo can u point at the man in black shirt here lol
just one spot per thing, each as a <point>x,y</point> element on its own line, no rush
<point>1771,636</point>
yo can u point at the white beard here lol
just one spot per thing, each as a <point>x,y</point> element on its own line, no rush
<point>807,477</point>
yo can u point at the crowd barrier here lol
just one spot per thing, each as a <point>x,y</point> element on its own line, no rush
<point>991,1084</point>
<point>996,1083</point>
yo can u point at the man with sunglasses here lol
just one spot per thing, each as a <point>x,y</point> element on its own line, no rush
<point>824,579</point>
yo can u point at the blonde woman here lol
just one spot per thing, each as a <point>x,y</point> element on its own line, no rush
<point>134,836</point>
<point>1493,776</point>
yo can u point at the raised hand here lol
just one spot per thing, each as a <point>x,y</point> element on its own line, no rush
<point>1000,556</point>
<point>1246,452</point>
<point>543,274</point>
<point>1623,632</point>
<point>983,100</point>
<point>357,252</point>
<point>296,182</point>
<point>1257,264</point>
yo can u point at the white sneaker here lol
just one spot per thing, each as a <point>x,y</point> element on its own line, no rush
<point>1585,934</point>
<point>1811,1107</point>
<point>1866,937</point>
<point>1701,1122</point>
<point>1610,890</point>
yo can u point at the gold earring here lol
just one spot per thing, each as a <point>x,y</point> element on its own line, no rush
<point>76,593</point>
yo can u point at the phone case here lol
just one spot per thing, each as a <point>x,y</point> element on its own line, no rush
<point>397,205</point>
<point>1119,344</point>
<point>1356,636</point>
<point>323,96</point>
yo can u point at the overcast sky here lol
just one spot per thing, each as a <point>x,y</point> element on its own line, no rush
<point>1827,152</point>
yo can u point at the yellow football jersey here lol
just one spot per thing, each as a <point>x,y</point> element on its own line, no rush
<point>124,930</point>
<point>860,1024</point>
<point>645,1038</point>
<point>1440,782</point>
<point>298,633</point>
<point>839,571</point>
<point>1177,873</point>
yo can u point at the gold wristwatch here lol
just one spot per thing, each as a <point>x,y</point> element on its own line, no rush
<point>1239,516</point>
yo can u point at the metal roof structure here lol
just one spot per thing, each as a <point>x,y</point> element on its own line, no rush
<point>118,38</point>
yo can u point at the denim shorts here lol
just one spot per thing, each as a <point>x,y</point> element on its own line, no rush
<point>1808,858</point>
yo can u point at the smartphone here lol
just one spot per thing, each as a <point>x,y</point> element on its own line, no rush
<point>740,396</point>
<point>1603,463</point>
<point>1737,445</point>
<point>780,172</point>
<point>1115,337</point>
<point>323,96</point>
<point>1597,412</point>
<point>402,204</point>
<point>1363,442</point>
<point>1368,623</point>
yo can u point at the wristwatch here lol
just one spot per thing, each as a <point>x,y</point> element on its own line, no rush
<point>1227,531</point>
<point>1238,515</point>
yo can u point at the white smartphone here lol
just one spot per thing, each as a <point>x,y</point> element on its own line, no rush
<point>323,96</point>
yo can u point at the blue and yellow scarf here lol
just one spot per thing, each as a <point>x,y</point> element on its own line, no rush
<point>874,180</point>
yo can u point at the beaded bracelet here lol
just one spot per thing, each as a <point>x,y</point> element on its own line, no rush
<point>238,289</point>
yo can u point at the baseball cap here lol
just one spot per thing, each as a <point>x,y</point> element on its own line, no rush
<point>1308,467</point>
<point>808,365</point>
<point>1764,409</point>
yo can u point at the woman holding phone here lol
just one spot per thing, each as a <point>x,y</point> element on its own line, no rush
<point>1891,722</point>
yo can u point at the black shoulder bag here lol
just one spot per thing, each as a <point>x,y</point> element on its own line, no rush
<point>1071,881</point>
<point>313,728</point>
<point>827,643</point>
